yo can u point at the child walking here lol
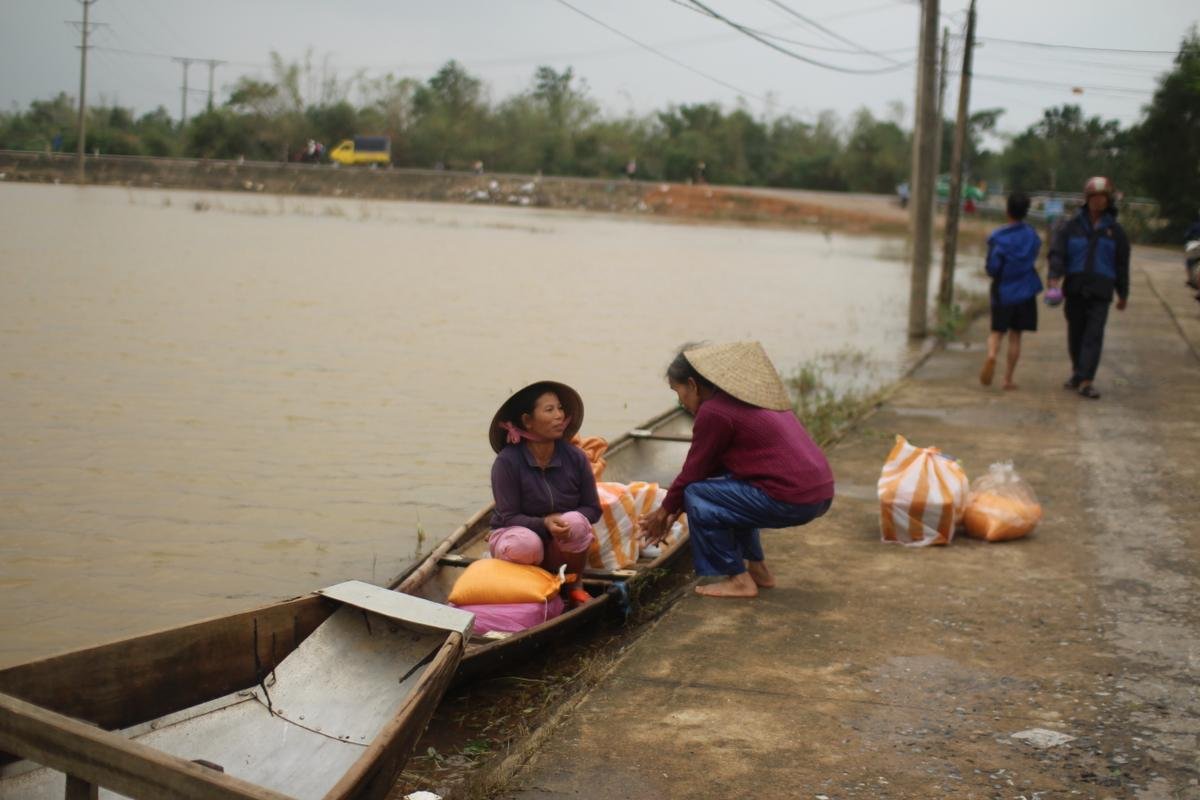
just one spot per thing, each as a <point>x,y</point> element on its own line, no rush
<point>1012,265</point>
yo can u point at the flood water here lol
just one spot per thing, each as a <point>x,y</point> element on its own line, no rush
<point>209,401</point>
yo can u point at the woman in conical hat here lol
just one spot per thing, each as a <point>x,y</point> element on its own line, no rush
<point>543,487</point>
<point>751,465</point>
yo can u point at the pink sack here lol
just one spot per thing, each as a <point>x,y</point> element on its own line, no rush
<point>513,617</point>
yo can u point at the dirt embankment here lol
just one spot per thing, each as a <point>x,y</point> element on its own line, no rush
<point>702,203</point>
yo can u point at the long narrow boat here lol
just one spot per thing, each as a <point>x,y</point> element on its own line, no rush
<point>322,696</point>
<point>652,453</point>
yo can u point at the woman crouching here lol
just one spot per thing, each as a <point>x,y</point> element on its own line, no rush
<point>751,465</point>
<point>543,486</point>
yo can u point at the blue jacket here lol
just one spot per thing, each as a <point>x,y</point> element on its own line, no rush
<point>1012,263</point>
<point>1094,259</point>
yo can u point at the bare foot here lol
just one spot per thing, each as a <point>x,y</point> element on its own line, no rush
<point>985,374</point>
<point>760,574</point>
<point>734,586</point>
<point>1009,386</point>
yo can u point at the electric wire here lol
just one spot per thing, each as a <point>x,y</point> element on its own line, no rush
<point>829,32</point>
<point>792,54</point>
<point>1049,45</point>
<point>661,54</point>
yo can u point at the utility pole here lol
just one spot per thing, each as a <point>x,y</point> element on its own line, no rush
<point>81,125</point>
<point>941,105</point>
<point>212,65</point>
<point>954,201</point>
<point>923,172</point>
<point>186,62</point>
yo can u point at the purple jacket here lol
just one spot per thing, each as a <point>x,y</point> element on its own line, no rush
<point>525,493</point>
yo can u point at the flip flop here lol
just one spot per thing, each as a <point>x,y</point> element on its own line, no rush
<point>578,597</point>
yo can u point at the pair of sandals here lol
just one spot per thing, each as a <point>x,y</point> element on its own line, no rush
<point>1084,389</point>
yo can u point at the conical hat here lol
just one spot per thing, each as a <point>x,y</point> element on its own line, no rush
<point>742,369</point>
<point>570,399</point>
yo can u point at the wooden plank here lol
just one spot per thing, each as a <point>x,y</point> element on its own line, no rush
<point>112,761</point>
<point>401,607</point>
<point>124,683</point>
<point>374,773</point>
<point>642,433</point>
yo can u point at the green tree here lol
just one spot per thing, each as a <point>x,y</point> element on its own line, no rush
<point>452,118</point>
<point>1168,140</point>
<point>877,155</point>
<point>1062,149</point>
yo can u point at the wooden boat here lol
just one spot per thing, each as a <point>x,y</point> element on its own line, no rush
<point>322,696</point>
<point>652,453</point>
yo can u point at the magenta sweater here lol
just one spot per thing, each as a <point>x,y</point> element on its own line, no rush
<point>769,449</point>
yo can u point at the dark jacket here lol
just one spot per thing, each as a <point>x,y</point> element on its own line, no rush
<point>1093,259</point>
<point>1193,232</point>
<point>525,493</point>
<point>1012,264</point>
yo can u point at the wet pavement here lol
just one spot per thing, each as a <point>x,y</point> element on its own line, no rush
<point>875,671</point>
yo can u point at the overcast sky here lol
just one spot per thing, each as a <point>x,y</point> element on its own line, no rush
<point>502,41</point>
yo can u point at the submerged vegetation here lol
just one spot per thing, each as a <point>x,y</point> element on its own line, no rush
<point>833,391</point>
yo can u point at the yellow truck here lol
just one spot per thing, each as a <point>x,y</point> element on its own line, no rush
<point>363,150</point>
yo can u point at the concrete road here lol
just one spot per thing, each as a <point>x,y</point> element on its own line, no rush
<point>875,671</point>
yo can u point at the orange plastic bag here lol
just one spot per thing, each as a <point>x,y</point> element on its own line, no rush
<point>1001,506</point>
<point>491,580</point>
<point>921,496</point>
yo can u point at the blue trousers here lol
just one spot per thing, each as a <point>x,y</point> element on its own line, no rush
<point>724,516</point>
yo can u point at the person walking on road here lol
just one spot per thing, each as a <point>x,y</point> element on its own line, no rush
<point>1012,264</point>
<point>1089,260</point>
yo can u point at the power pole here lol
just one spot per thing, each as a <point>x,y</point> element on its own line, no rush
<point>923,172</point>
<point>81,125</point>
<point>954,201</point>
<point>186,62</point>
<point>212,65</point>
<point>941,114</point>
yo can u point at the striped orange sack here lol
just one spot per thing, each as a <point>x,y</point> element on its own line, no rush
<point>922,494</point>
<point>617,544</point>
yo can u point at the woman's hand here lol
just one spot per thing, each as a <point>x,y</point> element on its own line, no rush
<point>557,527</point>
<point>656,525</point>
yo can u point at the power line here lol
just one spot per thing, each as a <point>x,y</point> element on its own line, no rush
<point>809,45</point>
<point>659,53</point>
<point>1056,85</point>
<point>169,57</point>
<point>793,54</point>
<point>1074,47</point>
<point>827,31</point>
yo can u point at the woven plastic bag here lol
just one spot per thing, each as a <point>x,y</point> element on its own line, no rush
<point>617,544</point>
<point>922,494</point>
<point>1001,505</point>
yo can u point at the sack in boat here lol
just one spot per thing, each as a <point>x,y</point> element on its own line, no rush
<point>513,617</point>
<point>492,580</point>
<point>617,544</point>
<point>594,447</point>
<point>922,494</point>
<point>1001,506</point>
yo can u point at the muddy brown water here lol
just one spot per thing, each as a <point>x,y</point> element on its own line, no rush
<point>212,401</point>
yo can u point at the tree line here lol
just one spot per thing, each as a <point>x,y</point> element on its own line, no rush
<point>555,128</point>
